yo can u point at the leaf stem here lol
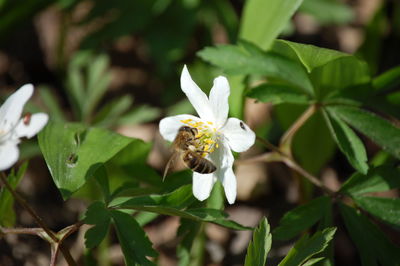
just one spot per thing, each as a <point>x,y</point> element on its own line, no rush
<point>290,162</point>
<point>21,231</point>
<point>37,219</point>
<point>287,138</point>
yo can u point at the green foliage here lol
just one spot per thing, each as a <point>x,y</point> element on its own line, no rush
<point>378,179</point>
<point>304,250</point>
<point>175,204</point>
<point>381,131</point>
<point>73,152</point>
<point>100,218</point>
<point>249,59</point>
<point>277,93</point>
<point>328,11</point>
<point>385,209</point>
<point>348,142</point>
<point>301,218</point>
<point>86,89</point>
<point>291,76</point>
<point>263,21</point>
<point>134,242</point>
<point>372,244</point>
<point>258,249</point>
<point>7,213</point>
<point>189,231</point>
<point>309,55</point>
<point>387,81</point>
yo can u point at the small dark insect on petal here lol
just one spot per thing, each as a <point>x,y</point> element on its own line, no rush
<point>27,119</point>
<point>242,125</point>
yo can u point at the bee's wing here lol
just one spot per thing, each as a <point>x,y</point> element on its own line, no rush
<point>169,164</point>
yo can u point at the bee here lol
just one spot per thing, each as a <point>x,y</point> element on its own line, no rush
<point>185,146</point>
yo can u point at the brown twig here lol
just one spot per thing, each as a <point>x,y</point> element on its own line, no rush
<point>37,219</point>
<point>21,231</point>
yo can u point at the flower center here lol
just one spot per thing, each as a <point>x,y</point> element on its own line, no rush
<point>207,138</point>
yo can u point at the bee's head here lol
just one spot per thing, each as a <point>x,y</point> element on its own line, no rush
<point>190,130</point>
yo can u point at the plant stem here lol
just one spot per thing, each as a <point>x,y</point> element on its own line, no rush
<point>37,219</point>
<point>21,231</point>
<point>290,162</point>
<point>286,140</point>
<point>313,179</point>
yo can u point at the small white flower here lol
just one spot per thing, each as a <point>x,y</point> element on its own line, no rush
<point>13,127</point>
<point>219,135</point>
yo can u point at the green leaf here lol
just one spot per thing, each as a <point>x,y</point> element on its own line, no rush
<point>74,152</point>
<point>248,59</point>
<point>379,130</point>
<point>312,138</point>
<point>144,218</point>
<point>378,179</point>
<point>102,180</point>
<point>307,247</point>
<point>141,114</point>
<point>387,81</point>
<point>236,98</point>
<point>348,142</point>
<point>339,74</point>
<point>7,213</point>
<point>312,261</point>
<point>309,55</point>
<point>328,11</point>
<point>51,103</point>
<point>98,80</point>
<point>134,242</point>
<point>98,215</point>
<point>277,93</point>
<point>180,198</point>
<point>173,204</point>
<point>327,256</point>
<point>385,209</point>
<point>301,218</point>
<point>187,231</point>
<point>372,244</point>
<point>258,249</point>
<point>262,21</point>
<point>112,111</point>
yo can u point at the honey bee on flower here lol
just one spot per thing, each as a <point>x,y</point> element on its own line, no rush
<point>216,135</point>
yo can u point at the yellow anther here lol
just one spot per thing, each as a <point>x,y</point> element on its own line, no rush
<point>186,121</point>
<point>210,123</point>
<point>216,145</point>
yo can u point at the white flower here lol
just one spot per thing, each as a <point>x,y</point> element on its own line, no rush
<point>218,135</point>
<point>13,127</point>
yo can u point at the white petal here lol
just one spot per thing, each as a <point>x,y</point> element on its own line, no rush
<point>219,100</point>
<point>196,96</point>
<point>202,185</point>
<point>11,110</point>
<point>222,157</point>
<point>9,154</point>
<point>240,137</point>
<point>169,126</point>
<point>229,183</point>
<point>32,127</point>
